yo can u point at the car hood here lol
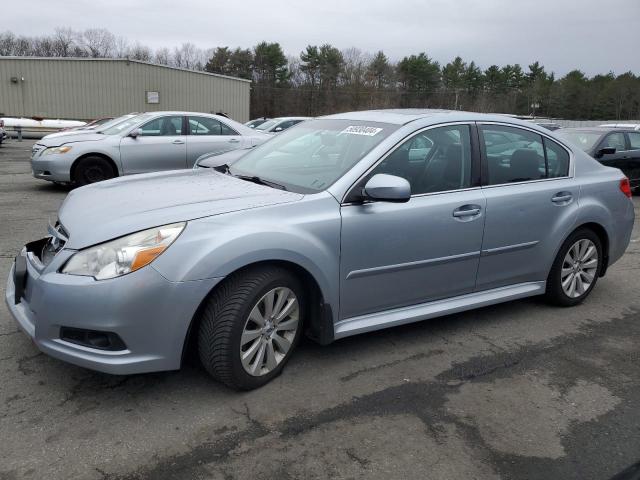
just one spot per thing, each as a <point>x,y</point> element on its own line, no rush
<point>79,131</point>
<point>62,138</point>
<point>107,210</point>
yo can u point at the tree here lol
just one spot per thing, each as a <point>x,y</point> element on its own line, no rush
<point>220,62</point>
<point>381,70</point>
<point>241,63</point>
<point>419,78</point>
<point>97,42</point>
<point>270,72</point>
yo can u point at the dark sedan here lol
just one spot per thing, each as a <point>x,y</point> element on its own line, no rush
<point>613,147</point>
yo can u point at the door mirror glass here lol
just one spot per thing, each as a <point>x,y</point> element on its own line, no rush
<point>135,133</point>
<point>605,151</point>
<point>387,188</point>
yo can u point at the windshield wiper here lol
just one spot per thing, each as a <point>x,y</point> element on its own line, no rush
<point>224,168</point>
<point>260,181</point>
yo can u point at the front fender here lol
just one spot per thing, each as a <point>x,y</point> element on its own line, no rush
<point>305,233</point>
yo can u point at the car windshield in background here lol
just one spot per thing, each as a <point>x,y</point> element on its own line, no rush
<point>312,156</point>
<point>125,125</point>
<point>266,125</point>
<point>585,140</point>
<point>114,121</point>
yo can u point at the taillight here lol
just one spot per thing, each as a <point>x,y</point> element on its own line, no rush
<point>1,123</point>
<point>625,187</point>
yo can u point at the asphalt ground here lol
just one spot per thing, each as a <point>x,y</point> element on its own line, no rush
<point>520,390</point>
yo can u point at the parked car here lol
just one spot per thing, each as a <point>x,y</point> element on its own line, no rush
<point>612,146</point>
<point>220,159</point>
<point>82,130</point>
<point>277,125</point>
<point>331,244</point>
<point>3,132</point>
<point>257,121</point>
<point>147,142</point>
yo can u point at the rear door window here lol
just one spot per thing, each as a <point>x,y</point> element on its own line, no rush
<point>209,126</point>
<point>514,155</point>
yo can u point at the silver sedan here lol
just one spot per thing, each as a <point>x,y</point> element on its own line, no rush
<point>342,225</point>
<point>147,142</point>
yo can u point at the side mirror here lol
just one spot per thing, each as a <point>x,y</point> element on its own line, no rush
<point>387,188</point>
<point>278,129</point>
<point>135,133</point>
<point>605,151</point>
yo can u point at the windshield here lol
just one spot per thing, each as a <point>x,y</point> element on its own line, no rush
<point>267,125</point>
<point>112,122</point>
<point>585,140</point>
<point>255,123</point>
<point>312,156</point>
<point>126,124</point>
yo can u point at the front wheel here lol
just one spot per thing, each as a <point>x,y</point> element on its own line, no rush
<point>250,326</point>
<point>92,170</point>
<point>576,269</point>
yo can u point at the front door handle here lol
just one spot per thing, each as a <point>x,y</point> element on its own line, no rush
<point>466,211</point>
<point>234,140</point>
<point>562,198</point>
<point>178,142</point>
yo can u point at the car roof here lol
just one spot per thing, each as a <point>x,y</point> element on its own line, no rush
<point>407,115</point>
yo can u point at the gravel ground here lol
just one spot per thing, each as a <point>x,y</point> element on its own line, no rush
<point>519,390</point>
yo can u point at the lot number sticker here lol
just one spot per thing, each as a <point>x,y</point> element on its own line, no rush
<point>362,130</point>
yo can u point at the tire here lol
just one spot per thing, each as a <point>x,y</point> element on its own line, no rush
<point>230,311</point>
<point>92,170</point>
<point>585,271</point>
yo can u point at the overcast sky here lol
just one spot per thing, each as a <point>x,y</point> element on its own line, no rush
<point>595,36</point>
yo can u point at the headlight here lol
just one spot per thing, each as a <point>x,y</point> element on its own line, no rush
<point>123,255</point>
<point>51,150</point>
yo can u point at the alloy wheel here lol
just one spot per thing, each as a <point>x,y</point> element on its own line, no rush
<point>269,331</point>
<point>579,268</point>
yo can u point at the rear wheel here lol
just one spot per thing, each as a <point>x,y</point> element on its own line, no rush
<point>250,326</point>
<point>576,269</point>
<point>92,170</point>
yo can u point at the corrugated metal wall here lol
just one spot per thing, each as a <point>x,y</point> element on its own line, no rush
<point>87,88</point>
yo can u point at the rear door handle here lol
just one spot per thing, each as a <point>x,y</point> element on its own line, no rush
<point>467,211</point>
<point>234,140</point>
<point>178,142</point>
<point>562,198</point>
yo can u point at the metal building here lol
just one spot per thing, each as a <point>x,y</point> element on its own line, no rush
<point>87,88</point>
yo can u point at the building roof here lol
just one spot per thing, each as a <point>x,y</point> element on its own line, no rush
<point>128,60</point>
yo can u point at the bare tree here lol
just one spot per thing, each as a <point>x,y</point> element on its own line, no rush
<point>140,52</point>
<point>98,42</point>
<point>163,56</point>
<point>7,43</point>
<point>64,42</point>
